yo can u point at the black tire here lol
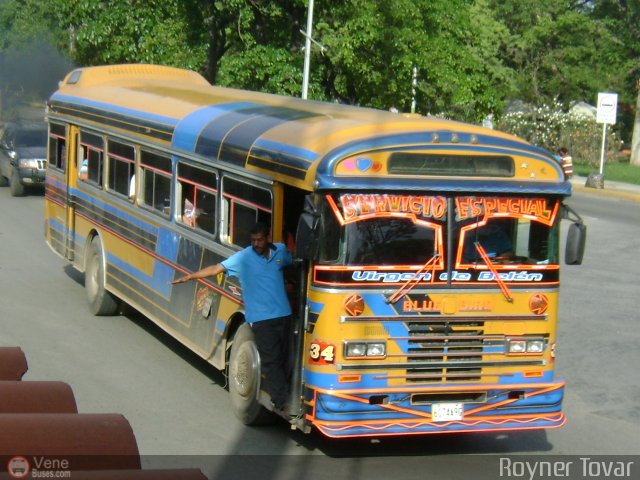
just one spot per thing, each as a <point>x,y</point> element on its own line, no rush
<point>244,380</point>
<point>17,189</point>
<point>4,181</point>
<point>101,302</point>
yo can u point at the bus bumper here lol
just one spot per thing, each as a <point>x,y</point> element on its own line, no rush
<point>504,407</point>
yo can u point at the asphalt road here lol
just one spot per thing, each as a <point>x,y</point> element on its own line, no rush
<point>180,412</point>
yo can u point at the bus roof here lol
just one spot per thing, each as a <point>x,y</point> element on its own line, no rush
<point>312,145</point>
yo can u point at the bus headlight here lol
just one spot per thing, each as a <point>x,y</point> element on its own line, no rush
<point>521,345</point>
<point>376,349</point>
<point>358,349</point>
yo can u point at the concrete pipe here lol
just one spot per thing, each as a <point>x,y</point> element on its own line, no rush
<point>75,441</point>
<point>13,363</point>
<point>36,397</point>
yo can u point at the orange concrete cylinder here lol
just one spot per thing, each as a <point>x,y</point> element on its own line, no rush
<point>80,441</point>
<point>36,397</point>
<point>13,363</point>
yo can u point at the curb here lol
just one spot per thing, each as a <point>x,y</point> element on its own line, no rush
<point>577,185</point>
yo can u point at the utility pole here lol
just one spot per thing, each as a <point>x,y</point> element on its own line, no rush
<point>307,51</point>
<point>414,83</point>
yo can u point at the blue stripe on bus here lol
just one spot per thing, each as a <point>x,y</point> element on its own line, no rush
<point>189,129</point>
<point>414,184</point>
<point>116,211</point>
<point>424,140</point>
<point>315,307</point>
<point>167,248</point>
<point>308,156</point>
<point>168,121</point>
<point>222,138</point>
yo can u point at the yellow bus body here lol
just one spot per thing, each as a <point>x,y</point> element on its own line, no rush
<point>130,143</point>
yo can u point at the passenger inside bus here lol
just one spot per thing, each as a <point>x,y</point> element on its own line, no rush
<point>495,239</point>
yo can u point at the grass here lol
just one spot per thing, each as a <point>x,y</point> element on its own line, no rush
<point>620,171</point>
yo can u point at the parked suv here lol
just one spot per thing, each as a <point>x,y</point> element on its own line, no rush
<point>23,156</point>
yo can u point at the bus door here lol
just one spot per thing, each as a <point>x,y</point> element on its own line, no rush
<point>70,185</point>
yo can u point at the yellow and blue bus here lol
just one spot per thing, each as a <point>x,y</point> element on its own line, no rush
<point>426,283</point>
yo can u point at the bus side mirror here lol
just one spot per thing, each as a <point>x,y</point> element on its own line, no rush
<point>306,241</point>
<point>306,244</point>
<point>576,240</point>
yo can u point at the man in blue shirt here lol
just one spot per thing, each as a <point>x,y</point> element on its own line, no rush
<point>259,269</point>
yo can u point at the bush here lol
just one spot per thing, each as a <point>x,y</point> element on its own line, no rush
<point>551,127</point>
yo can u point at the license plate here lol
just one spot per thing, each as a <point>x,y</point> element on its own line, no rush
<point>445,412</point>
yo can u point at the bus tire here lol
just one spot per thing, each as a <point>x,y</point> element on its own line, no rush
<point>244,379</point>
<point>17,189</point>
<point>101,302</point>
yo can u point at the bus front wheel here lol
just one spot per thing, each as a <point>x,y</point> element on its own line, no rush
<point>101,302</point>
<point>244,379</point>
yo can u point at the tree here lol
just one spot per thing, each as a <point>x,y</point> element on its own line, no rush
<point>30,65</point>
<point>557,50</point>
<point>623,18</point>
<point>168,32</point>
<point>635,142</point>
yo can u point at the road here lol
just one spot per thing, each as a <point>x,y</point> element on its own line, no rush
<point>180,412</point>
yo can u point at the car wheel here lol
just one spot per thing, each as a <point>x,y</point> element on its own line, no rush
<point>244,380</point>
<point>101,302</point>
<point>17,189</point>
<point>4,181</point>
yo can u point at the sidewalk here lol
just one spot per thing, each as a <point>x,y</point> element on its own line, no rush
<point>613,189</point>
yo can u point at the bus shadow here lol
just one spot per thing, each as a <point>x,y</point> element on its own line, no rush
<point>74,274</point>
<point>293,454</point>
<point>433,444</point>
<point>158,334</point>
<point>190,357</point>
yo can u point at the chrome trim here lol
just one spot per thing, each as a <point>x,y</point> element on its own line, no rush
<point>439,365</point>
<point>447,318</point>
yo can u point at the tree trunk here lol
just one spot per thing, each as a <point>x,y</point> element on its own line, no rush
<point>635,141</point>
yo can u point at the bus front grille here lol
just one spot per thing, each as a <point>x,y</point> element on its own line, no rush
<point>441,351</point>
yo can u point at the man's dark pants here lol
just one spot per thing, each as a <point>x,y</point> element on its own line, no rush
<point>270,341</point>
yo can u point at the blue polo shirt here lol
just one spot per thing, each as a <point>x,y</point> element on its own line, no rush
<point>262,281</point>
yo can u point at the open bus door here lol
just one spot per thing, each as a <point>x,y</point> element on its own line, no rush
<point>70,184</point>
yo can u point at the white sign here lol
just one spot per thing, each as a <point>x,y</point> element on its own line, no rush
<point>607,107</point>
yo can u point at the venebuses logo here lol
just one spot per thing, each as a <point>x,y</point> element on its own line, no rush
<point>18,467</point>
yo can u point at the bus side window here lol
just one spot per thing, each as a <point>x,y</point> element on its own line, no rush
<point>57,147</point>
<point>197,192</point>
<point>244,205</point>
<point>156,181</point>
<point>121,159</point>
<point>91,158</point>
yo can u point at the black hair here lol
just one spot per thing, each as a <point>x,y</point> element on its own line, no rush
<point>260,227</point>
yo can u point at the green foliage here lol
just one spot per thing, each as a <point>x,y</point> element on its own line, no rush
<point>471,56</point>
<point>614,171</point>
<point>551,127</point>
<point>144,31</point>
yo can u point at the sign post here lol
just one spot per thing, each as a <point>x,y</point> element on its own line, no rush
<point>606,114</point>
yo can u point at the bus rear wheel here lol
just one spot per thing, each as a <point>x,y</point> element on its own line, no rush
<point>101,302</point>
<point>244,380</point>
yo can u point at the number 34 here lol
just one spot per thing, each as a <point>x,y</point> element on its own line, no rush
<point>322,352</point>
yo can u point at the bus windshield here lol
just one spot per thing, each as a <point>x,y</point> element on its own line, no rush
<point>376,239</point>
<point>388,241</point>
<point>408,230</point>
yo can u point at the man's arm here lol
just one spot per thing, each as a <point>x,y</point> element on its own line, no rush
<point>205,272</point>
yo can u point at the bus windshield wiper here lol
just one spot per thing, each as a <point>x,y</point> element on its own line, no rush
<point>487,261</point>
<point>407,286</point>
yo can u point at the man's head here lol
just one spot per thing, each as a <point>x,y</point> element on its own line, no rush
<point>260,238</point>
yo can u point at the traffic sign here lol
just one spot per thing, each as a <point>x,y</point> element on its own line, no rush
<point>607,107</point>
